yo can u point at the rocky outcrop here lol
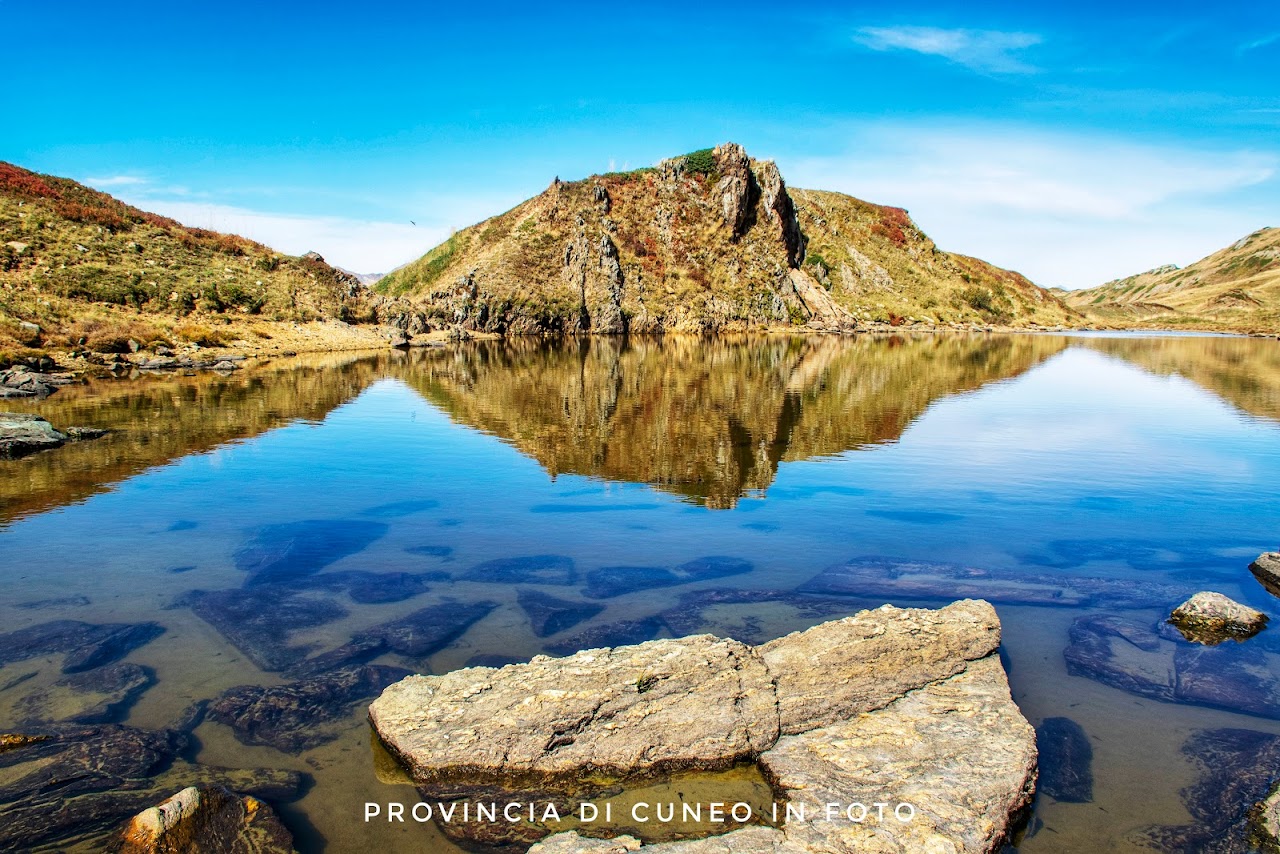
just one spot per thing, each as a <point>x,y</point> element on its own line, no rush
<point>904,706</point>
<point>1210,618</point>
<point>1267,570</point>
<point>206,818</point>
<point>781,211</point>
<point>737,186</point>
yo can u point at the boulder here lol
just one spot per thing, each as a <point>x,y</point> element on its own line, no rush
<point>206,818</point>
<point>1267,570</point>
<point>904,706</point>
<point>1210,618</point>
<point>23,433</point>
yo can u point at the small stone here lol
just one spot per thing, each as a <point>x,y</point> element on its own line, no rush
<point>1210,618</point>
<point>84,434</point>
<point>1267,570</point>
<point>206,818</point>
<point>225,365</point>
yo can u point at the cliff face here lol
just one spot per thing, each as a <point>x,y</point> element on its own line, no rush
<point>710,241</point>
<point>1236,288</point>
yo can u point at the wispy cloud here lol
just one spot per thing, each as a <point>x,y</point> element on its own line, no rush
<point>1065,209</point>
<point>980,50</point>
<point>1258,43</point>
<point>116,181</point>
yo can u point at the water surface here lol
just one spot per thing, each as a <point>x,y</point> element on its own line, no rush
<point>569,495</point>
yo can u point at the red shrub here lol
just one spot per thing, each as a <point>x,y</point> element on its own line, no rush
<point>20,182</point>
<point>93,215</point>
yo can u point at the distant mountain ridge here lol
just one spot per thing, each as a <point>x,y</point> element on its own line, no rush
<point>712,241</point>
<point>1235,288</point>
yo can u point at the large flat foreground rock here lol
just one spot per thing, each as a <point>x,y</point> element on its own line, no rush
<point>891,705</point>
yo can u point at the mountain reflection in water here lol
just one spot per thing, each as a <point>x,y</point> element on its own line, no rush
<point>705,419</point>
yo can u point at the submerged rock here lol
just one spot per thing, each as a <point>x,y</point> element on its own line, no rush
<point>610,581</point>
<point>428,630</point>
<point>206,818</point>
<point>101,695</point>
<point>886,705</point>
<point>65,785</point>
<point>533,569</point>
<point>1238,769</point>
<point>286,552</point>
<point>1267,570</point>
<point>696,612</point>
<point>1135,658</point>
<point>1066,760</point>
<point>263,634</point>
<point>373,588</point>
<point>620,633</point>
<point>549,614</point>
<point>300,715</point>
<point>893,578</point>
<point>85,645</point>
<point>1210,618</point>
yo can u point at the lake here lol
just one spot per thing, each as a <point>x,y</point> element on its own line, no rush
<point>491,501</point>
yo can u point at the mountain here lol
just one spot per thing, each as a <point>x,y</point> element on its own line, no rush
<point>81,268</point>
<point>1236,288</point>
<point>709,241</point>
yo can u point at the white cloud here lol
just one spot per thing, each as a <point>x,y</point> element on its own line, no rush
<point>115,181</point>
<point>1067,210</point>
<point>358,245</point>
<point>980,50</point>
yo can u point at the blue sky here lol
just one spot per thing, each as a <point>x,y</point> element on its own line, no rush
<point>1073,144</point>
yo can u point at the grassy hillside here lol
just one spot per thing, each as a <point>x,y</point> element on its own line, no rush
<point>710,241</point>
<point>1236,288</point>
<point>91,271</point>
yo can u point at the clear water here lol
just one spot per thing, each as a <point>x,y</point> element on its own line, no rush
<point>1155,459</point>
